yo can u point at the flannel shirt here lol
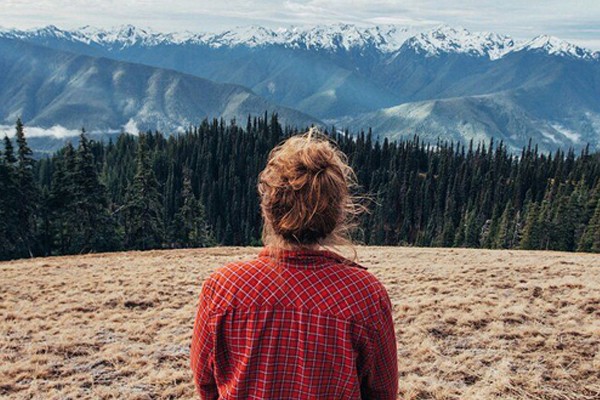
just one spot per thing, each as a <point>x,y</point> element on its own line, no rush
<point>295,325</point>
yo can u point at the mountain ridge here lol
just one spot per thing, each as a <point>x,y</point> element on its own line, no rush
<point>47,87</point>
<point>358,77</point>
<point>386,38</point>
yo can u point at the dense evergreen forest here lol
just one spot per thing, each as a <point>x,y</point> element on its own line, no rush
<point>199,189</point>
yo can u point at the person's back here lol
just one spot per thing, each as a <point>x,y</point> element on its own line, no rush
<point>298,322</point>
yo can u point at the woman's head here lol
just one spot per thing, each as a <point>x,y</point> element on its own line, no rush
<point>305,193</point>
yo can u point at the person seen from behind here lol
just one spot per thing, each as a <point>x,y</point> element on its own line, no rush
<point>300,321</point>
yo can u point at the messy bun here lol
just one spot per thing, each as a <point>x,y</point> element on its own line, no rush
<point>305,193</point>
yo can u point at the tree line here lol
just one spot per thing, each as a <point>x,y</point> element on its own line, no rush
<point>198,189</point>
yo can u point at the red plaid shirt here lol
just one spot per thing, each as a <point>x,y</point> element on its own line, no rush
<point>302,325</point>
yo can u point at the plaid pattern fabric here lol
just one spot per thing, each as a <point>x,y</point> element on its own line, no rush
<point>295,325</point>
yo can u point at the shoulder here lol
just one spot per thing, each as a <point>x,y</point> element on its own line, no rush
<point>365,279</point>
<point>358,293</point>
<point>377,306</point>
<point>242,267</point>
<point>238,282</point>
<point>232,272</point>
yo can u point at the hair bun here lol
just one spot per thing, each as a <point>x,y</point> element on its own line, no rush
<point>300,202</point>
<point>317,167</point>
<point>318,158</point>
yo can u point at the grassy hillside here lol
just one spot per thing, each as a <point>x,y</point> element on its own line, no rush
<point>470,324</point>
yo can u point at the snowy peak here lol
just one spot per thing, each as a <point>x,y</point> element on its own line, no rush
<point>120,36</point>
<point>337,37</point>
<point>125,35</point>
<point>446,39</point>
<point>251,36</point>
<point>49,31</point>
<point>346,37</point>
<point>555,46</point>
<point>330,37</point>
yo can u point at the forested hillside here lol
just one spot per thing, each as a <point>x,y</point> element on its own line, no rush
<point>199,189</point>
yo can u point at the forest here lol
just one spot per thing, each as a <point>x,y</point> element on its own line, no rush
<point>198,189</point>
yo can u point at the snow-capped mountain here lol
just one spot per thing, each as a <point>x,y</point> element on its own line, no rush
<point>379,76</point>
<point>121,36</point>
<point>339,36</point>
<point>446,39</point>
<point>554,46</point>
<point>333,38</point>
<point>385,38</point>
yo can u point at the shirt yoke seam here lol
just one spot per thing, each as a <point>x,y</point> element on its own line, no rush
<point>222,311</point>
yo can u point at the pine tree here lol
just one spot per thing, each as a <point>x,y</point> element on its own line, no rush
<point>590,241</point>
<point>564,223</point>
<point>9,152</point>
<point>490,229</point>
<point>472,229</point>
<point>142,212</point>
<point>531,230</point>
<point>4,227</point>
<point>62,202</point>
<point>190,226</point>
<point>545,225</point>
<point>228,235</point>
<point>459,237</point>
<point>44,215</point>
<point>8,201</point>
<point>577,204</point>
<point>95,229</point>
<point>27,195</point>
<point>516,231</point>
<point>505,228</point>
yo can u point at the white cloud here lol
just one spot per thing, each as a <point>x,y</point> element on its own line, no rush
<point>56,131</point>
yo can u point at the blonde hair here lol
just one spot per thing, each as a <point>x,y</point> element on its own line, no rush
<point>305,192</point>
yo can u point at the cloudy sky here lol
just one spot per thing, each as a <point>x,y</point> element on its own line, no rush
<point>573,20</point>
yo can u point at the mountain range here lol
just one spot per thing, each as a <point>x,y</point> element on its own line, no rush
<point>443,83</point>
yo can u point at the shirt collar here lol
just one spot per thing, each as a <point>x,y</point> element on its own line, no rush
<point>310,259</point>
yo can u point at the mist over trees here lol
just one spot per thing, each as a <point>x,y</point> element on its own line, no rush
<point>198,189</point>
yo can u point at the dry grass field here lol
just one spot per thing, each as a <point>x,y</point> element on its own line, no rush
<point>470,324</point>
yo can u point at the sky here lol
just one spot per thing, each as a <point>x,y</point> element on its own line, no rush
<point>577,21</point>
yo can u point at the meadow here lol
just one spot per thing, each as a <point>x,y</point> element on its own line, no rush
<point>470,324</point>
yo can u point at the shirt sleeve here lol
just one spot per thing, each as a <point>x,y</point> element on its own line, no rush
<point>381,380</point>
<point>201,352</point>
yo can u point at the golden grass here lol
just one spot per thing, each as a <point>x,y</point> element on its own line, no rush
<point>470,324</point>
